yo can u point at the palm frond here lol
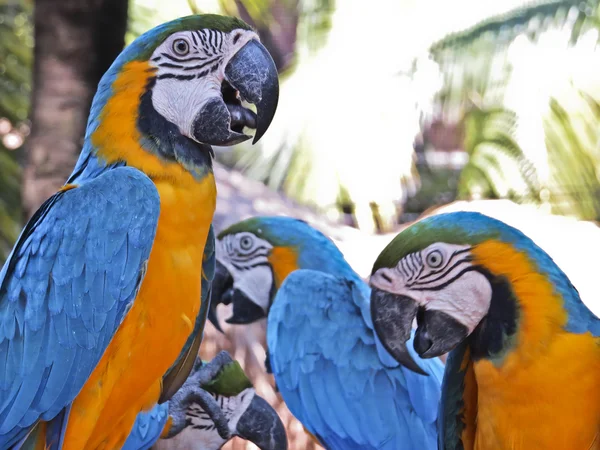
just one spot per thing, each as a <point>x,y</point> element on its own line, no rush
<point>531,19</point>
<point>531,119</point>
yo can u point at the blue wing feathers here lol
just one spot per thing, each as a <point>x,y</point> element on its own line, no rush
<point>64,291</point>
<point>147,428</point>
<point>334,375</point>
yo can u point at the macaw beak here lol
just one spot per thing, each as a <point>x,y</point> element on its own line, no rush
<point>437,333</point>
<point>222,288</point>
<point>261,425</point>
<point>245,311</point>
<point>392,317</point>
<point>252,74</point>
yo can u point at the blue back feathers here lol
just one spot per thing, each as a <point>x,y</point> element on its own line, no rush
<point>147,428</point>
<point>65,289</point>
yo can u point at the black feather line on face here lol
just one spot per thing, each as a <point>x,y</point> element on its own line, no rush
<point>273,290</point>
<point>494,335</point>
<point>204,64</point>
<point>184,60</point>
<point>163,138</point>
<point>177,77</point>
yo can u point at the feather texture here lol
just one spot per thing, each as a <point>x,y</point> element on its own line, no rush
<point>336,377</point>
<point>147,428</point>
<point>65,289</point>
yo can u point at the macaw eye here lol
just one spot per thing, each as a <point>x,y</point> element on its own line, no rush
<point>237,37</point>
<point>435,259</point>
<point>181,47</point>
<point>246,243</point>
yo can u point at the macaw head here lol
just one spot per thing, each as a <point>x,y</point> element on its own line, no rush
<point>464,275</point>
<point>255,256</point>
<point>178,89</point>
<point>247,414</point>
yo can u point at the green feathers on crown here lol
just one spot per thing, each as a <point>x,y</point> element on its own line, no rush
<point>147,42</point>
<point>229,382</point>
<point>462,228</point>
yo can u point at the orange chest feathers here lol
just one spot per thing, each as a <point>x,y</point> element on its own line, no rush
<point>545,392</point>
<point>552,403</point>
<point>172,284</point>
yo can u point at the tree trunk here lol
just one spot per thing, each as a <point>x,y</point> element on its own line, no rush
<point>75,43</point>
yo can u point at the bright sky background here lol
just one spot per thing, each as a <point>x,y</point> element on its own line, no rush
<point>415,23</point>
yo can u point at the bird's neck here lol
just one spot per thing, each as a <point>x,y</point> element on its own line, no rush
<point>527,310</point>
<point>322,256</point>
<point>124,129</point>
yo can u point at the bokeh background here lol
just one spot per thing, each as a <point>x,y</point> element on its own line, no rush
<point>389,110</point>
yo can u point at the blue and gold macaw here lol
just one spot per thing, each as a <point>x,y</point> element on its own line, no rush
<point>330,368</point>
<point>240,412</point>
<point>104,296</point>
<point>523,370</point>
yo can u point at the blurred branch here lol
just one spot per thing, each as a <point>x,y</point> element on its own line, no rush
<point>76,42</point>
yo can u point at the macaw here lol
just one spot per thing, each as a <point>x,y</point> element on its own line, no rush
<point>242,412</point>
<point>329,367</point>
<point>104,296</point>
<point>524,363</point>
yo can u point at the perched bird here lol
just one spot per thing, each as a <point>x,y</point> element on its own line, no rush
<point>241,412</point>
<point>329,367</point>
<point>524,363</point>
<point>104,296</point>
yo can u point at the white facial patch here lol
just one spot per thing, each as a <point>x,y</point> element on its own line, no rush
<point>235,407</point>
<point>246,258</point>
<point>256,285</point>
<point>201,432</point>
<point>190,69</point>
<point>440,277</point>
<point>467,299</point>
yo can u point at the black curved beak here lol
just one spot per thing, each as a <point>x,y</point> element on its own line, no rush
<point>261,425</point>
<point>245,311</point>
<point>437,333</point>
<point>251,72</point>
<point>222,288</point>
<point>392,317</point>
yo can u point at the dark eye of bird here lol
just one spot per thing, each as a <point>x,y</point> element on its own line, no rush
<point>246,243</point>
<point>181,47</point>
<point>434,259</point>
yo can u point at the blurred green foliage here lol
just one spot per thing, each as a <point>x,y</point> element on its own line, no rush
<point>544,147</point>
<point>496,162</point>
<point>16,38</point>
